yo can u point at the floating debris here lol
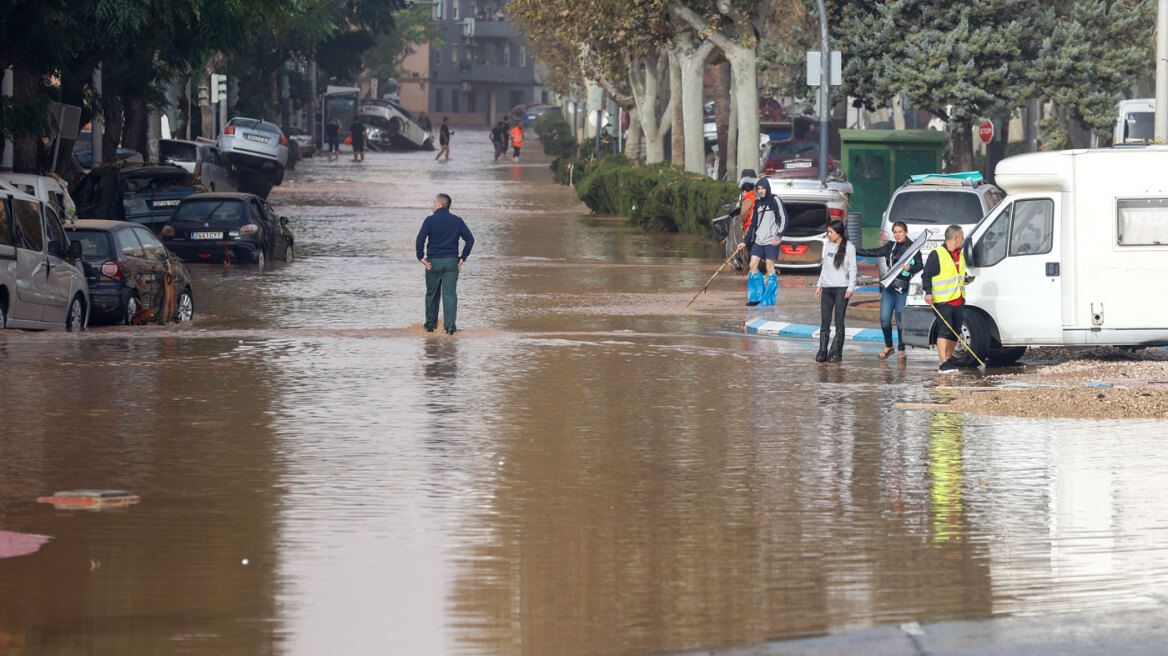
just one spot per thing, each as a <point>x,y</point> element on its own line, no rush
<point>90,499</point>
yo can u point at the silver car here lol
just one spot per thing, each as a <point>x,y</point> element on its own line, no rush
<point>202,159</point>
<point>255,145</point>
<point>41,281</point>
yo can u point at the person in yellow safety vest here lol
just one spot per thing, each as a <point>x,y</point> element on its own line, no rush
<point>516,140</point>
<point>943,281</point>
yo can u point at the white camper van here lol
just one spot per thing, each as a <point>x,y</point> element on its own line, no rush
<point>1074,255</point>
<point>1135,121</point>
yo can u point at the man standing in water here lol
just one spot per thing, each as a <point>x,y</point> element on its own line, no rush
<point>444,133</point>
<point>442,231</point>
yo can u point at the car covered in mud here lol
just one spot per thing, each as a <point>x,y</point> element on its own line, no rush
<point>228,227</point>
<point>132,277</point>
<point>142,193</point>
<point>395,127</point>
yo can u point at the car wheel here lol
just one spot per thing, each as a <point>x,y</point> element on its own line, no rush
<point>975,330</point>
<point>185,310</point>
<point>75,321</point>
<point>259,260</point>
<point>288,253</point>
<point>3,318</point>
<point>132,307</point>
<point>279,177</point>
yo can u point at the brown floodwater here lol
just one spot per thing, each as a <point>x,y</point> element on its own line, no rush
<point>584,469</point>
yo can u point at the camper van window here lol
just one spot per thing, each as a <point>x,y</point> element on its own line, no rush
<point>1032,231</point>
<point>991,248</point>
<point>5,226</point>
<point>1142,222</point>
<point>28,225</point>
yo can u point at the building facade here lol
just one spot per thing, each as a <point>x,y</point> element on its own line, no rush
<point>483,69</point>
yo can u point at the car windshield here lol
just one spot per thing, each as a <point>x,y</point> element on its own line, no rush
<point>178,152</point>
<point>243,122</point>
<point>95,244</point>
<point>936,207</point>
<point>794,148</point>
<point>227,211</point>
<point>264,126</point>
<point>158,179</point>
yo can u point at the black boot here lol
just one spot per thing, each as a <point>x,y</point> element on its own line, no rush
<point>821,356</point>
<point>837,347</point>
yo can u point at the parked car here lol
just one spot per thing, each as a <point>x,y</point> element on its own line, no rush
<point>396,126</point>
<point>534,113</point>
<point>41,284</point>
<point>128,270</point>
<point>146,193</point>
<point>794,158</point>
<point>256,147</point>
<point>202,159</point>
<point>213,227</point>
<point>305,143</point>
<point>47,187</point>
<point>933,202</point>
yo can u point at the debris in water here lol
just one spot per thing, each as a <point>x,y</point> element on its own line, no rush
<point>90,499</point>
<point>20,544</point>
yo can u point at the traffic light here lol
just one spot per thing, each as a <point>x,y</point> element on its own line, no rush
<point>218,88</point>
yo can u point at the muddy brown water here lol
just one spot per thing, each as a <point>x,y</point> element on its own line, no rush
<point>584,469</point>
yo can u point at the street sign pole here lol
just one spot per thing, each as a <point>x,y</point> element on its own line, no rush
<point>825,92</point>
<point>1161,120</point>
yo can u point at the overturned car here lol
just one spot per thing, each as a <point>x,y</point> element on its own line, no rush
<point>392,127</point>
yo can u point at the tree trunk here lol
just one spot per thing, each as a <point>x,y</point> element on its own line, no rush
<point>692,60</point>
<point>182,128</point>
<point>962,148</point>
<point>135,128</point>
<point>732,134</point>
<point>633,136</point>
<point>745,74</point>
<point>25,90</point>
<point>897,113</point>
<point>112,124</point>
<point>676,130</point>
<point>646,85</point>
<point>722,115</point>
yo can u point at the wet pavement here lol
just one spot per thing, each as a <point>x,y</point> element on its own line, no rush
<point>585,468</point>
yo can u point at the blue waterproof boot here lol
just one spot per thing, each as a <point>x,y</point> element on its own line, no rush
<point>770,289</point>
<point>753,288</point>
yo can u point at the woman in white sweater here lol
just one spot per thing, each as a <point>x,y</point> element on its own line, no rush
<point>837,281</point>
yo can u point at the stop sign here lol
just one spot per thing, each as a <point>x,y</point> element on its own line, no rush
<point>986,132</point>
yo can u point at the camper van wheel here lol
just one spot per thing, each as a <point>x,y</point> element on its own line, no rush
<point>1006,356</point>
<point>975,330</point>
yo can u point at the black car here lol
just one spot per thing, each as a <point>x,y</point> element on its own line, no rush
<point>146,193</point>
<point>214,227</point>
<point>132,277</point>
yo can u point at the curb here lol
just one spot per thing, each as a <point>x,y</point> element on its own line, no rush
<point>807,331</point>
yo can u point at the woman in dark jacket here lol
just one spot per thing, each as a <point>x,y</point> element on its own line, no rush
<point>893,296</point>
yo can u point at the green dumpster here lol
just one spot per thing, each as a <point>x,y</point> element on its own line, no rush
<point>878,161</point>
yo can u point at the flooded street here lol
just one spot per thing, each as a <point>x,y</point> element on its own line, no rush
<point>584,468</point>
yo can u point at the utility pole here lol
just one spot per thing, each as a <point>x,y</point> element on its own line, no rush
<point>1161,121</point>
<point>824,102</point>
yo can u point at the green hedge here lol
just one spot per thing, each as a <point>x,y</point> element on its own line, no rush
<point>555,135</point>
<point>658,197</point>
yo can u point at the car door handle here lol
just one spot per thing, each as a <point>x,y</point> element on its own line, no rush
<point>1052,269</point>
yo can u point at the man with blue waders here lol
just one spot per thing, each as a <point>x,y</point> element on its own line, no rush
<point>943,281</point>
<point>437,250</point>
<point>765,234</point>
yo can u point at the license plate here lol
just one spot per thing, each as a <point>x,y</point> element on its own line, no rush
<point>206,235</point>
<point>801,164</point>
<point>931,246</point>
<point>164,203</point>
<point>256,137</point>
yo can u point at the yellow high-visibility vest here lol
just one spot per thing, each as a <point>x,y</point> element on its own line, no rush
<point>950,282</point>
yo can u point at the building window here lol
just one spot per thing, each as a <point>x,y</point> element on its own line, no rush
<point>438,104</point>
<point>437,54</point>
<point>507,54</point>
<point>1142,222</point>
<point>470,101</point>
<point>454,55</point>
<point>454,8</point>
<point>438,11</point>
<point>454,101</point>
<point>523,55</point>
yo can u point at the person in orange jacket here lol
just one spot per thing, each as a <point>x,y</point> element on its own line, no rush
<point>745,212</point>
<point>516,140</point>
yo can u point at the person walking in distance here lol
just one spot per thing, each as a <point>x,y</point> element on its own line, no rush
<point>437,250</point>
<point>332,135</point>
<point>837,281</point>
<point>357,135</point>
<point>516,140</point>
<point>943,281</point>
<point>444,133</point>
<point>894,295</point>
<point>767,225</point>
<point>499,139</point>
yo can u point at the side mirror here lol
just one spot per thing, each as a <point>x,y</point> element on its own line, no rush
<point>283,220</point>
<point>75,250</point>
<point>967,247</point>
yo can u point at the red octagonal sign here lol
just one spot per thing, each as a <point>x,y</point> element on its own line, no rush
<point>986,132</point>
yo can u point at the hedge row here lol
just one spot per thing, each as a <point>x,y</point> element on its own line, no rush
<point>657,197</point>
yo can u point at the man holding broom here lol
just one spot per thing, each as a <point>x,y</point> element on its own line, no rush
<point>943,281</point>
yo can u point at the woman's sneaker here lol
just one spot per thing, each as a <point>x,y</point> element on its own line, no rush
<point>948,365</point>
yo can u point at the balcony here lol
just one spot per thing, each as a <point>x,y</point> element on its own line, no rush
<point>487,28</point>
<point>494,73</point>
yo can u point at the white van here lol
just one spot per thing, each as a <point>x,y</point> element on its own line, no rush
<point>41,281</point>
<point>1074,255</point>
<point>1135,121</point>
<point>48,188</point>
